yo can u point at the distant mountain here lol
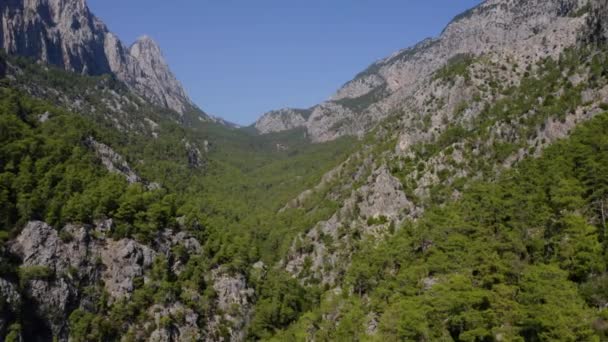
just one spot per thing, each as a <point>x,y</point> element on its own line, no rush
<point>523,31</point>
<point>65,33</point>
<point>223,122</point>
<point>282,120</point>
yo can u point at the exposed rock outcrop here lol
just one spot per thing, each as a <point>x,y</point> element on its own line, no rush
<point>10,303</point>
<point>234,304</point>
<point>323,253</point>
<point>124,261</point>
<point>113,161</point>
<point>384,198</point>
<point>598,21</point>
<point>81,256</point>
<point>282,120</point>
<point>195,157</point>
<point>156,81</point>
<point>174,323</point>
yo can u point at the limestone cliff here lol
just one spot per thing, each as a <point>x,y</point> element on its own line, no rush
<point>523,31</point>
<point>65,33</point>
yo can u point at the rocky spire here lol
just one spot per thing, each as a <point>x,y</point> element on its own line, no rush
<point>157,80</point>
<point>66,34</point>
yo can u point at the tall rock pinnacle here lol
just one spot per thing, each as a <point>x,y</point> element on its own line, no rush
<point>66,34</point>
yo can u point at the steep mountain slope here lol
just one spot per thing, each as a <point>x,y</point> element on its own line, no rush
<point>518,258</point>
<point>66,34</point>
<point>522,31</point>
<point>473,210</point>
<point>475,118</point>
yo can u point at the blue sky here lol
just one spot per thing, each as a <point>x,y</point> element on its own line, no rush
<point>239,59</point>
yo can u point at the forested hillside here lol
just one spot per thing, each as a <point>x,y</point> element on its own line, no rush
<point>519,258</point>
<point>451,192</point>
<point>55,169</point>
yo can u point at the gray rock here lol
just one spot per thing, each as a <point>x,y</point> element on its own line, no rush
<point>429,282</point>
<point>195,157</point>
<point>156,81</point>
<point>598,22</point>
<point>525,31</point>
<point>44,117</point>
<point>54,301</point>
<point>9,295</point>
<point>384,197</point>
<point>84,256</point>
<point>66,34</point>
<point>124,260</point>
<point>282,120</point>
<point>183,329</point>
<point>113,161</point>
<point>39,245</point>
<point>234,301</point>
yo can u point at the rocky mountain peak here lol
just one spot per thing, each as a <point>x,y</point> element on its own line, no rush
<point>145,45</point>
<point>65,33</point>
<point>156,81</point>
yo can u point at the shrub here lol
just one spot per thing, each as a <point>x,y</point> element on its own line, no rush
<point>28,273</point>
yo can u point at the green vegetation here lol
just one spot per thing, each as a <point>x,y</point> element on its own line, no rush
<point>517,258</point>
<point>49,172</point>
<point>457,66</point>
<point>545,94</point>
<point>34,273</point>
<point>360,103</point>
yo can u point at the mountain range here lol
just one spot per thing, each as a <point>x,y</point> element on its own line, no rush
<point>456,190</point>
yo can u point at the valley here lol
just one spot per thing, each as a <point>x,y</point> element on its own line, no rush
<point>456,190</point>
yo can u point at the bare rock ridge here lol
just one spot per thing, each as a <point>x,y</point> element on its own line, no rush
<point>65,33</point>
<point>282,120</point>
<point>523,30</point>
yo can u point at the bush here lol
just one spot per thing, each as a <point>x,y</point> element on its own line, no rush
<point>28,273</point>
<point>373,221</point>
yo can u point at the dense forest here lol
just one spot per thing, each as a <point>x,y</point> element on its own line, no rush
<point>450,192</point>
<point>523,258</point>
<point>49,172</point>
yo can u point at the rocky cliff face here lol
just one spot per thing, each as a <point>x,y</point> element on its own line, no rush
<point>156,81</point>
<point>68,269</point>
<point>79,258</point>
<point>524,31</point>
<point>65,33</point>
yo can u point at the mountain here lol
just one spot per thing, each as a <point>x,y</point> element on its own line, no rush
<point>522,31</point>
<point>282,120</point>
<point>66,34</point>
<point>454,191</point>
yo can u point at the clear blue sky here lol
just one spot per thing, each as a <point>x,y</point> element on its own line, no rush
<point>239,59</point>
